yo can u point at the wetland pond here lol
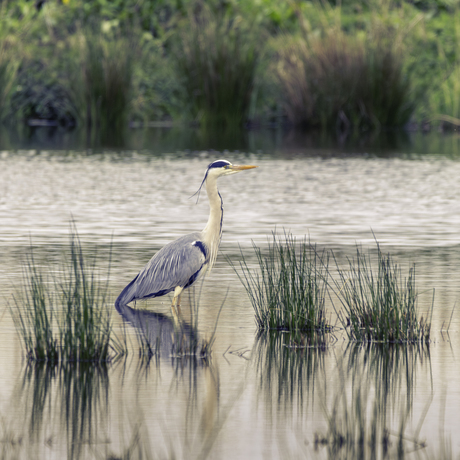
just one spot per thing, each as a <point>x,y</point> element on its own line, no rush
<point>255,397</point>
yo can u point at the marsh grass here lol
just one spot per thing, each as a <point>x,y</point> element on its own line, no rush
<point>445,99</point>
<point>288,290</point>
<point>11,57</point>
<point>8,73</point>
<point>64,315</point>
<point>344,82</point>
<point>100,67</point>
<point>216,57</point>
<point>380,304</point>
<point>34,314</point>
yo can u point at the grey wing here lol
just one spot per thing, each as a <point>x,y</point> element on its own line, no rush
<point>178,263</point>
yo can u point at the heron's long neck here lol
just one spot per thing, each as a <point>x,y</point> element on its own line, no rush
<point>212,233</point>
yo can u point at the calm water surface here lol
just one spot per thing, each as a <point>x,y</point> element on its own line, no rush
<point>255,398</point>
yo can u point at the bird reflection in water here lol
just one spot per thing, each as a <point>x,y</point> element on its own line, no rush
<point>162,335</point>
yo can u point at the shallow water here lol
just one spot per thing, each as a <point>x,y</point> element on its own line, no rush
<point>255,398</point>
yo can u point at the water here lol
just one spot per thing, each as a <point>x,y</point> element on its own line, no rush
<point>256,398</point>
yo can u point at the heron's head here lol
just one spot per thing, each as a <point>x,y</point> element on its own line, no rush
<point>224,168</point>
<point>221,168</point>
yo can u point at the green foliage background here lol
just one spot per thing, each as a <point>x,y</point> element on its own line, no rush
<point>39,54</point>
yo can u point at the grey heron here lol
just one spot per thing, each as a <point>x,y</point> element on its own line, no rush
<point>182,262</point>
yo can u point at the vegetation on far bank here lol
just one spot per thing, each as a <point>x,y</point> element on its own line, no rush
<point>349,65</point>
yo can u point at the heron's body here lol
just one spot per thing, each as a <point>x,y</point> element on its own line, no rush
<point>183,261</point>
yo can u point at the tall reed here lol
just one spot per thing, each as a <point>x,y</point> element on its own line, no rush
<point>11,57</point>
<point>99,76</point>
<point>85,324</point>
<point>288,289</point>
<point>36,323</point>
<point>72,322</point>
<point>380,305</point>
<point>216,57</point>
<point>345,82</point>
<point>445,98</point>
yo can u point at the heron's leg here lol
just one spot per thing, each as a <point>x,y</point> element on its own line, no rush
<point>175,306</point>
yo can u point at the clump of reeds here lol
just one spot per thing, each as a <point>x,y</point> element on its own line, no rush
<point>216,57</point>
<point>380,305</point>
<point>64,315</point>
<point>99,73</point>
<point>288,290</point>
<point>344,82</point>
<point>34,315</point>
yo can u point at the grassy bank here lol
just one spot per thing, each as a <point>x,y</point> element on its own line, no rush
<point>333,65</point>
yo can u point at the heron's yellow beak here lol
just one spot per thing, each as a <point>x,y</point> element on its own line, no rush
<point>242,167</point>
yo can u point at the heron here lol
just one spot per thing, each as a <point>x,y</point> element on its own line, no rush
<point>182,262</point>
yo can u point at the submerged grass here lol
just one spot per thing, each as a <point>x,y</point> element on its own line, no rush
<point>288,290</point>
<point>380,305</point>
<point>72,322</point>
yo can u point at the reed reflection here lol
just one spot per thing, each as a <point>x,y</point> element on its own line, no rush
<point>368,414</point>
<point>391,369</point>
<point>288,366</point>
<point>86,411</point>
<point>64,409</point>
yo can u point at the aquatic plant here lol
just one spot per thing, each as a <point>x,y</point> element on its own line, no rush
<point>216,58</point>
<point>35,323</point>
<point>288,290</point>
<point>71,323</point>
<point>380,305</point>
<point>341,81</point>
